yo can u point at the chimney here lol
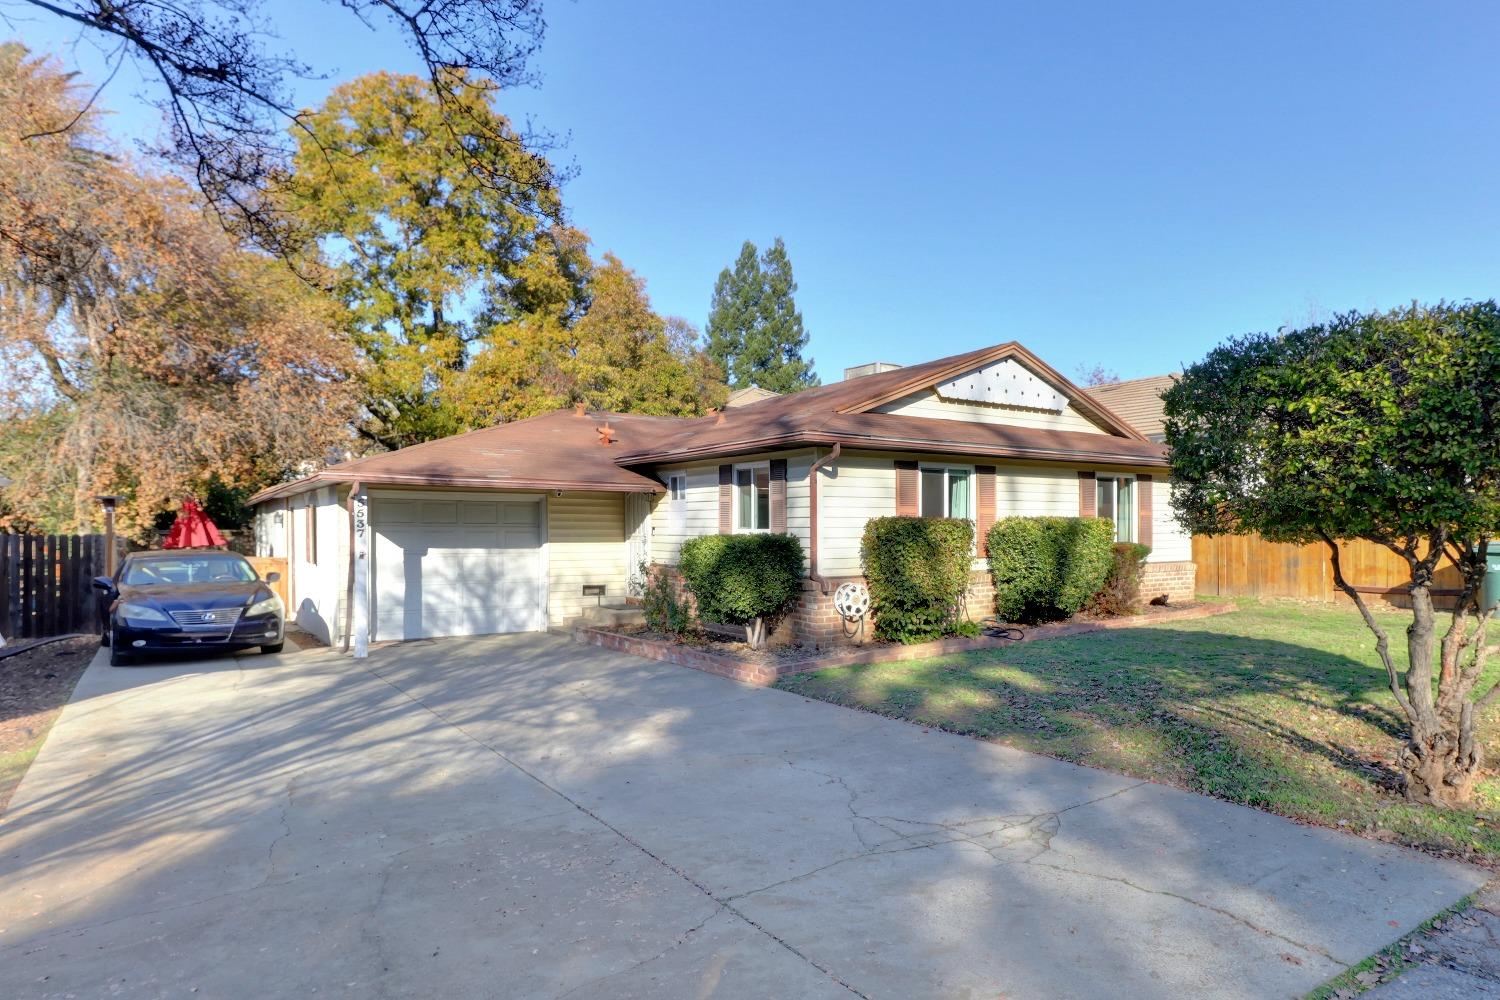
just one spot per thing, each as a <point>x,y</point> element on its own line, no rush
<point>579,409</point>
<point>873,368</point>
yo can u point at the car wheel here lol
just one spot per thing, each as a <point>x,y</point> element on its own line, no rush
<point>272,647</point>
<point>119,658</point>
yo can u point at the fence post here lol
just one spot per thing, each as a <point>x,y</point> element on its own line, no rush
<point>7,628</point>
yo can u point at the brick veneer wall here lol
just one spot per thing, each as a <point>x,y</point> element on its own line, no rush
<point>1178,580</point>
<point>813,621</point>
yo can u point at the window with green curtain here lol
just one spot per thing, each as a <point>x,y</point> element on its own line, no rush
<point>959,504</point>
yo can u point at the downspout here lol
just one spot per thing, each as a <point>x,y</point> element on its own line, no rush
<point>812,505</point>
<point>349,583</point>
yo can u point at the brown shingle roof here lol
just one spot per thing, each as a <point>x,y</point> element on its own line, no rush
<point>561,450</point>
<point>1138,401</point>
<point>842,412</point>
<point>554,451</point>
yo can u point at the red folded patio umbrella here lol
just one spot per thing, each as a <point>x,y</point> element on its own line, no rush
<point>192,529</point>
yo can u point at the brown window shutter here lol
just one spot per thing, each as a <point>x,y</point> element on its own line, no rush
<point>778,495</point>
<point>726,499</point>
<point>1088,500</point>
<point>985,514</point>
<point>906,489</point>
<point>1143,509</point>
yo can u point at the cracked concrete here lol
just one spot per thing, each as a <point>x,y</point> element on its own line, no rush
<point>523,817</point>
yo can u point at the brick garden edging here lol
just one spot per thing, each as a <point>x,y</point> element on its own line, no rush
<point>767,673</point>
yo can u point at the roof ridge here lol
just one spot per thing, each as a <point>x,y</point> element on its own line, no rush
<point>1128,381</point>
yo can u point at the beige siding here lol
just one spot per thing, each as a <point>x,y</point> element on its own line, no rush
<point>1169,543</point>
<point>675,521</point>
<point>318,586</point>
<point>927,403</point>
<point>864,486</point>
<point>1036,492</point>
<point>851,491</point>
<point>585,544</point>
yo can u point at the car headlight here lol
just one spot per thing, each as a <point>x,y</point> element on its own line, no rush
<point>271,605</point>
<point>140,613</point>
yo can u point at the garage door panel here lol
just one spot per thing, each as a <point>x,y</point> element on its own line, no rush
<point>467,568</point>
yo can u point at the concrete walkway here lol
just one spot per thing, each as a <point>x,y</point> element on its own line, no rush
<point>524,817</point>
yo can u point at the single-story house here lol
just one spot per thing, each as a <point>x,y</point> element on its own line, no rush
<point>523,526</point>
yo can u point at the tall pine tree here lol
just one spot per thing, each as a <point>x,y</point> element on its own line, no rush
<point>754,329</point>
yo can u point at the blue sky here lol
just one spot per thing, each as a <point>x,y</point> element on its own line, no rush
<point>1120,184</point>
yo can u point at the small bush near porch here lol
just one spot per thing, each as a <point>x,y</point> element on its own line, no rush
<point>1280,706</point>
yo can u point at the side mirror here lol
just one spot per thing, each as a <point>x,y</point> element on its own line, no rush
<point>104,583</point>
<point>272,576</point>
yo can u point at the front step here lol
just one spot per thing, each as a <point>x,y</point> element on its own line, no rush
<point>613,615</point>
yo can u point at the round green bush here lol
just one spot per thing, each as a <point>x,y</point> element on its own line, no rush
<point>918,573</point>
<point>1046,568</point>
<point>735,579</point>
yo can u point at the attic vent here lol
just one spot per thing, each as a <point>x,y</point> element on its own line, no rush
<point>606,434</point>
<point>873,368</point>
<point>1004,383</point>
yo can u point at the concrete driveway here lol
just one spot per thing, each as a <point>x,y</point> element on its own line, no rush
<point>524,817</point>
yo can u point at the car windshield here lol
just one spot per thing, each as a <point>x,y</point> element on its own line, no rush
<point>188,568</point>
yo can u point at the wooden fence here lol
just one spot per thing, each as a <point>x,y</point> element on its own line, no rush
<point>1250,566</point>
<point>46,584</point>
<point>272,564</point>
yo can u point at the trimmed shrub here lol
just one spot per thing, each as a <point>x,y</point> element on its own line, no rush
<point>918,573</point>
<point>1046,568</point>
<point>742,579</point>
<point>1121,593</point>
<point>664,612</point>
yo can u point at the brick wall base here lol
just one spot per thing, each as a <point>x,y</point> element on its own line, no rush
<point>1178,580</point>
<point>813,621</point>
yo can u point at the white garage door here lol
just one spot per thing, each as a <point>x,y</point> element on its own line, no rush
<point>456,567</point>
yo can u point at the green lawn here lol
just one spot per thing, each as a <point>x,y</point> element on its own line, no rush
<point>1281,706</point>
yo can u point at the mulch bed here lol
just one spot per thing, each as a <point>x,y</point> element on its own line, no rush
<point>34,686</point>
<point>728,657</point>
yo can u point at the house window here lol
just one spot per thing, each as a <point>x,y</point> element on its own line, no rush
<point>947,492</point>
<point>1116,504</point>
<point>752,497</point>
<point>677,487</point>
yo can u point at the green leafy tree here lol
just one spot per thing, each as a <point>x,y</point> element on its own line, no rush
<point>426,252</point>
<point>1383,427</point>
<point>754,329</point>
<point>619,356</point>
<point>623,359</point>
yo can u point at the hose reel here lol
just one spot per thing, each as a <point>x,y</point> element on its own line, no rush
<point>852,602</point>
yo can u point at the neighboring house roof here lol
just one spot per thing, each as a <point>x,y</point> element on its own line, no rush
<point>562,450</point>
<point>842,413</point>
<point>749,394</point>
<point>1138,401</point>
<point>555,451</point>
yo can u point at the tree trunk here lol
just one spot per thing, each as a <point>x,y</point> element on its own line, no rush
<point>1441,760</point>
<point>755,633</point>
<point>1438,772</point>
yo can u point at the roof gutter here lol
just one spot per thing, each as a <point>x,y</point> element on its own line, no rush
<point>812,507</point>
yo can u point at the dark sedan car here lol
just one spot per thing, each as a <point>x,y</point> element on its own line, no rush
<point>184,600</point>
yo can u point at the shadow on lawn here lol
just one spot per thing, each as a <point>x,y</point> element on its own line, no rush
<point>1207,702</point>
